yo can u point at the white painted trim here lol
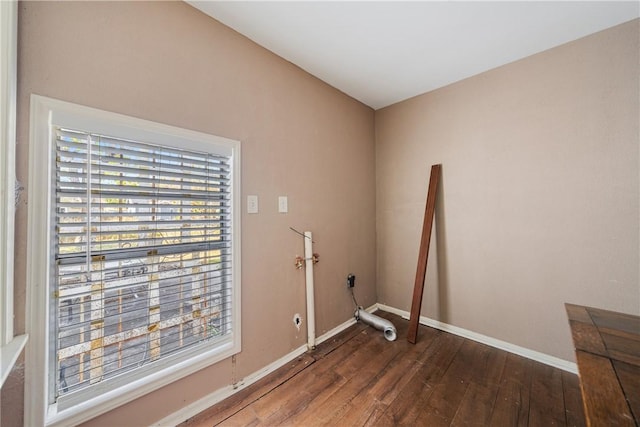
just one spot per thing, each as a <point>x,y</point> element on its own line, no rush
<point>10,346</point>
<point>219,395</point>
<point>38,411</point>
<point>335,331</point>
<point>9,354</point>
<point>556,362</point>
<point>37,310</point>
<point>114,398</point>
<point>8,43</point>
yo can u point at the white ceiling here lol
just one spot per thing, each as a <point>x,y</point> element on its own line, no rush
<point>381,53</point>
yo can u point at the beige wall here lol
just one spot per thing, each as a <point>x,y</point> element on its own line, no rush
<point>167,62</point>
<point>539,200</point>
<point>539,196</point>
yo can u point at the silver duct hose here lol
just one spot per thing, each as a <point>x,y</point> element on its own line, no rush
<point>377,322</point>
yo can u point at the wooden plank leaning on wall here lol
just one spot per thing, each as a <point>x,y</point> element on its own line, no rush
<point>427,226</point>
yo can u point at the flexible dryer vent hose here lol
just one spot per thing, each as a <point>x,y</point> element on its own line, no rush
<point>377,322</point>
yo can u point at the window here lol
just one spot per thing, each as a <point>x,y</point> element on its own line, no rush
<point>10,346</point>
<point>142,259</point>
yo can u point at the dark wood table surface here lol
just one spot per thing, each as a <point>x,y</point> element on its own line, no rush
<point>607,347</point>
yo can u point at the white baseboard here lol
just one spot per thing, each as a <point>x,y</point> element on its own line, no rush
<point>219,395</point>
<point>556,362</point>
<point>211,399</point>
<point>335,331</point>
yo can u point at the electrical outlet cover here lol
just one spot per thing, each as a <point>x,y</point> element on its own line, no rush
<point>252,204</point>
<point>283,204</point>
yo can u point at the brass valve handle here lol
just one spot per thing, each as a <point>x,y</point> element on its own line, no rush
<point>315,258</point>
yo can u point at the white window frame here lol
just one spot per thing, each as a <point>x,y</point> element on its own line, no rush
<point>10,346</point>
<point>45,113</point>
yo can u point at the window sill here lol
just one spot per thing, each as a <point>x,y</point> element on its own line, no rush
<point>9,353</point>
<point>113,398</point>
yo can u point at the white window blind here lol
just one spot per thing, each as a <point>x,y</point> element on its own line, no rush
<point>142,254</point>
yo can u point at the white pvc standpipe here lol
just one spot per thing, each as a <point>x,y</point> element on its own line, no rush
<point>311,315</point>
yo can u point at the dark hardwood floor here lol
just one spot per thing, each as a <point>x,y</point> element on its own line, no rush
<point>360,379</point>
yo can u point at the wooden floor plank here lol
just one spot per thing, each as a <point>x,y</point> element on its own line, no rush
<point>323,378</point>
<point>402,369</point>
<point>337,341</point>
<point>360,379</point>
<point>478,402</point>
<point>491,366</point>
<point>409,402</point>
<point>609,364</point>
<point>243,398</point>
<point>574,412</point>
<point>295,396</point>
<point>546,400</point>
<point>373,400</point>
<point>512,403</point>
<point>605,401</point>
<point>476,406</point>
<point>315,386</point>
<point>448,394</point>
<point>629,376</point>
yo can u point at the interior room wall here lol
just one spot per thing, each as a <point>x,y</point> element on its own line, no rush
<point>538,203</point>
<point>169,63</point>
